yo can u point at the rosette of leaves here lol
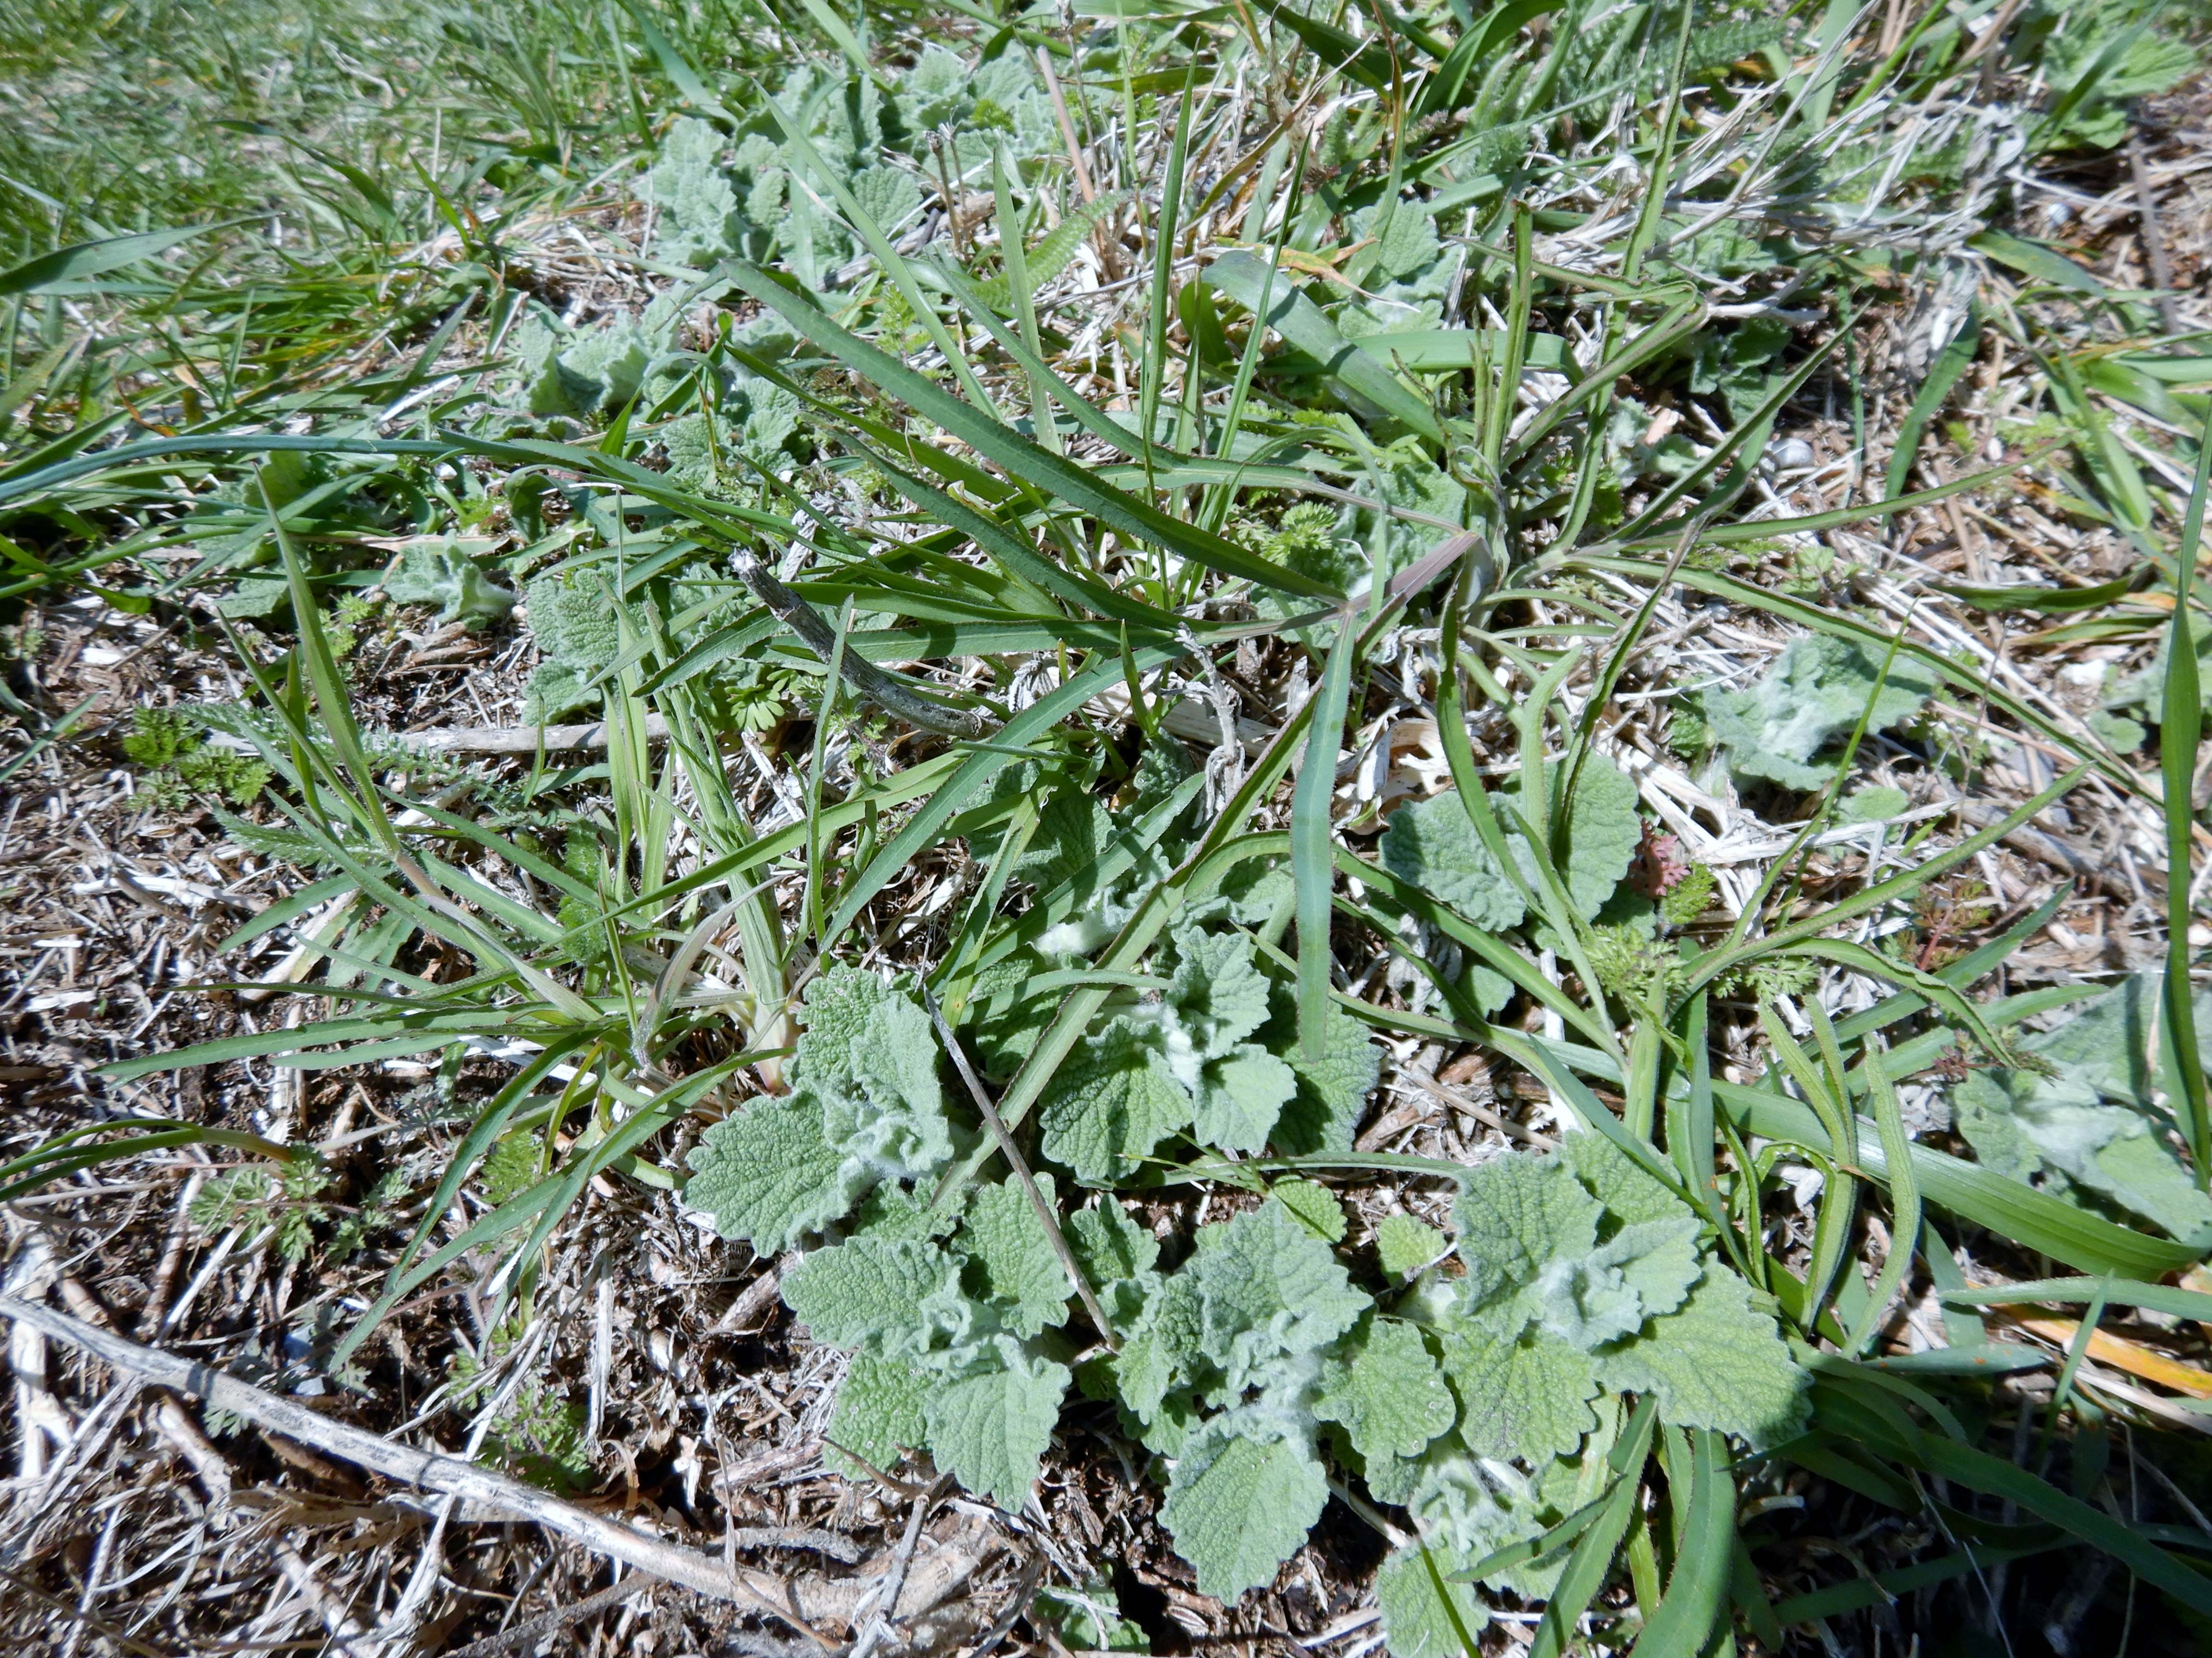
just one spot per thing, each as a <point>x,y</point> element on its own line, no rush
<point>328,502</point>
<point>718,200</point>
<point>1221,1367</point>
<point>753,198</point>
<point>1074,831</point>
<point>1486,1405</point>
<point>572,618</point>
<point>1214,1057</point>
<point>866,1108</point>
<point>583,372</point>
<point>1585,1280</point>
<point>1585,1275</point>
<point>578,627</point>
<point>1345,546</point>
<point>1408,273</point>
<point>701,216</point>
<point>2096,60</point>
<point>949,1334</point>
<point>1434,844</point>
<point>1814,693</point>
<point>443,575</point>
<point>755,423</point>
<point>2091,1120</point>
<point>998,100</point>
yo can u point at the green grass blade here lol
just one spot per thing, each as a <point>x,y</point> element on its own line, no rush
<point>2034,1220</point>
<point>1831,1226</point>
<point>1714,963</point>
<point>831,683</point>
<point>95,258</point>
<point>1886,1588</point>
<point>1366,62</point>
<point>1982,1471</point>
<point>896,267</point>
<point>1678,325</point>
<point>1022,292</point>
<point>1588,1565</point>
<point>1028,461</point>
<point>1904,1203</point>
<point>2180,734</point>
<point>67,1154</point>
<point>926,826</point>
<point>1312,867</point>
<point>840,31</point>
<point>680,70</point>
<point>1253,282</point>
<point>1961,973</point>
<point>483,1134</point>
<point>2153,1297</point>
<point>1697,1589</point>
<point>1953,361</point>
<point>1689,1122</point>
<point>1017,558</point>
<point>1160,299</point>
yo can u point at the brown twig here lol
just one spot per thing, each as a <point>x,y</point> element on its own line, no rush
<point>2153,239</point>
<point>812,1539</point>
<point>1480,1112</point>
<point>432,1470</point>
<point>760,1294</point>
<point>1013,1156</point>
<point>105,1631</point>
<point>523,1636</point>
<point>2045,849</point>
<point>886,1598</point>
<point>866,679</point>
<point>1066,126</point>
<point>1017,1604</point>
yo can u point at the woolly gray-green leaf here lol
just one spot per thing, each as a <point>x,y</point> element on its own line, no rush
<point>1268,1286</point>
<point>1240,1502</point>
<point>1404,1245</point>
<point>879,1415</point>
<point>767,1175</point>
<point>1240,1095</point>
<point>1714,1362</point>
<point>2095,1121</point>
<point>1387,1391</point>
<point>1163,1350</point>
<point>1525,1397</point>
<point>1433,844</point>
<point>1425,1614</point>
<point>990,1423</point>
<point>1515,1213</point>
<point>1109,1245</point>
<point>1814,692</point>
<point>1110,1103</point>
<point>1013,1256</point>
<point>1325,1112</point>
<point>870,1290</point>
